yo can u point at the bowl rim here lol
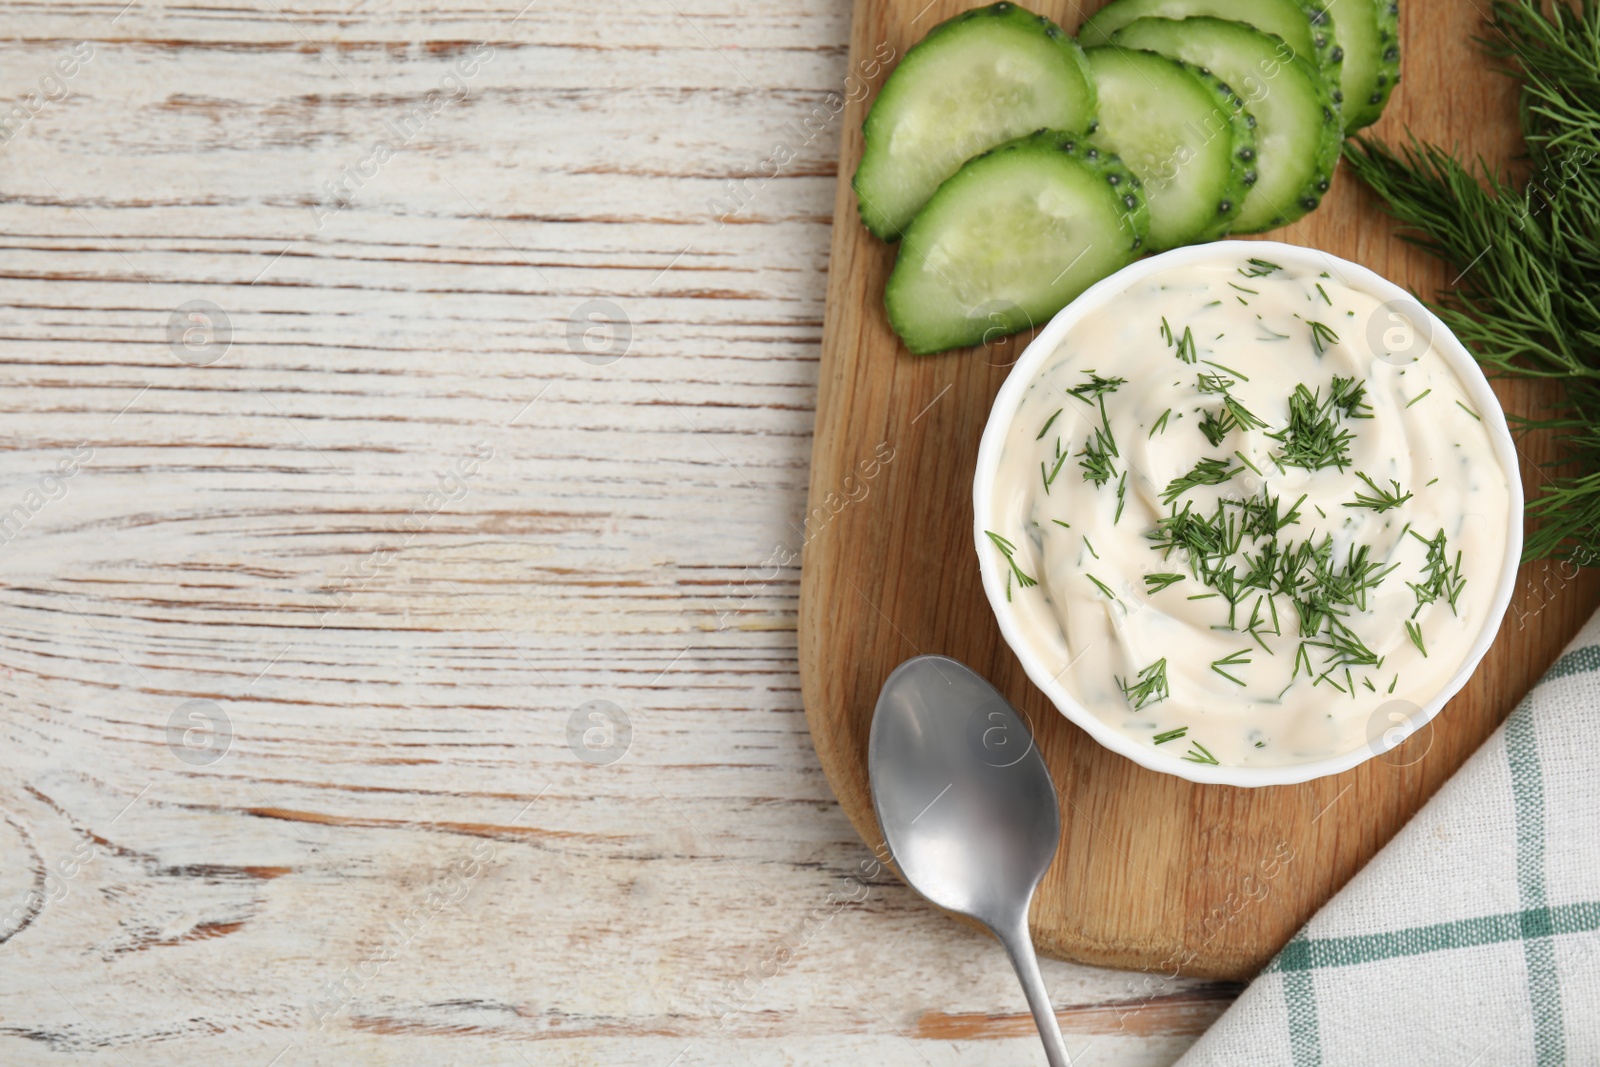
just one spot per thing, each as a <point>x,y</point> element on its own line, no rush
<point>1044,344</point>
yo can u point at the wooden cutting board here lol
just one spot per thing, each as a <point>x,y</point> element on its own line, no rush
<point>1153,872</point>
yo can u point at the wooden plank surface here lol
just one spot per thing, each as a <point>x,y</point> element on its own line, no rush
<point>400,857</point>
<point>1154,874</point>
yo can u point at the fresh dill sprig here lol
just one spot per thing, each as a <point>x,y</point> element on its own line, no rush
<point>1150,687</point>
<point>1379,500</point>
<point>1161,424</point>
<point>1526,299</point>
<point>1170,735</point>
<point>1008,550</point>
<point>1200,754</point>
<point>1259,268</point>
<point>1051,421</point>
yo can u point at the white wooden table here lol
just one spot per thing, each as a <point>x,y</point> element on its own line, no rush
<point>387,415</point>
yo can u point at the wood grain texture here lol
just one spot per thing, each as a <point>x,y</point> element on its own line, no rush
<point>1152,872</point>
<point>401,858</point>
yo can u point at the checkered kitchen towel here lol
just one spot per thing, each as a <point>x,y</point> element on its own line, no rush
<point>1473,938</point>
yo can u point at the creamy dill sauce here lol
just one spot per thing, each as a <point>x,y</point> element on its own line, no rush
<point>1263,619</point>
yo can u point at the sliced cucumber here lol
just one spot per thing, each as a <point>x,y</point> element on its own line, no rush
<point>1307,25</point>
<point>1371,33</point>
<point>1297,123</point>
<point>1011,238</point>
<point>1182,133</point>
<point>975,81</point>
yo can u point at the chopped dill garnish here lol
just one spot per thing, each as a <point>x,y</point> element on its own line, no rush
<point>1259,268</point>
<point>1313,438</point>
<point>1096,386</point>
<point>1324,293</point>
<point>1095,459</point>
<point>1100,447</point>
<point>1186,350</point>
<point>1350,397</point>
<point>1150,687</point>
<point>1063,525</point>
<point>1440,577</point>
<point>1469,411</point>
<point>1261,517</point>
<point>1419,396</point>
<point>1322,338</point>
<point>1161,424</point>
<point>1230,370</point>
<point>1430,483</point>
<point>1235,659</point>
<point>1154,583</point>
<point>1216,425</point>
<point>1200,754</point>
<point>1106,589</point>
<point>1090,547</point>
<point>1414,632</point>
<point>1242,289</point>
<point>1008,550</point>
<point>1379,500</point>
<point>1205,472</point>
<point>1122,497</point>
<point>1247,463</point>
<point>1170,735</point>
<point>1049,423</point>
<point>1049,476</point>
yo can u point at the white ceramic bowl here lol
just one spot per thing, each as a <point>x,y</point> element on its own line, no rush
<point>1106,293</point>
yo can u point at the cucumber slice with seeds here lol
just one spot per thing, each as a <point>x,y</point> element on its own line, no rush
<point>1298,128</point>
<point>1308,27</point>
<point>1371,32</point>
<point>975,81</point>
<point>1183,134</point>
<point>1011,238</point>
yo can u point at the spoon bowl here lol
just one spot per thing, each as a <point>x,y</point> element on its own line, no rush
<point>967,807</point>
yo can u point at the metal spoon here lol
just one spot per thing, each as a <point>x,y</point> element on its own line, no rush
<point>967,808</point>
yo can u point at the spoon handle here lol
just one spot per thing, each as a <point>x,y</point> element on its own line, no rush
<point>1019,946</point>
